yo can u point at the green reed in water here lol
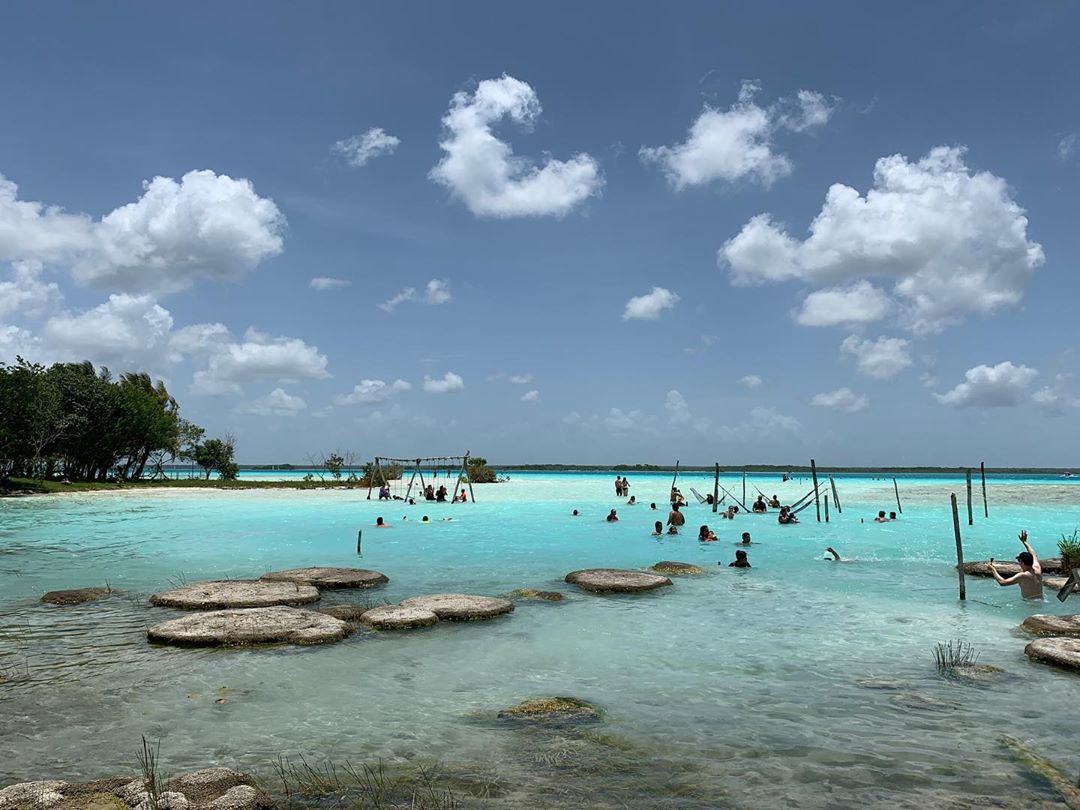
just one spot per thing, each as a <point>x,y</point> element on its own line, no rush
<point>954,654</point>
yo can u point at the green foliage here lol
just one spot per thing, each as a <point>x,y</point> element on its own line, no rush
<point>480,472</point>
<point>334,464</point>
<point>217,455</point>
<point>1069,546</point>
<point>385,474</point>
<point>74,421</point>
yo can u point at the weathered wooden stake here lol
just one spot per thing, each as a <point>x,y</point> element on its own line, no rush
<point>982,472</point>
<point>716,489</point>
<point>826,507</point>
<point>817,497</point>
<point>359,538</point>
<point>744,487</point>
<point>959,548</point>
<point>836,496</point>
<point>971,520</point>
<point>896,489</point>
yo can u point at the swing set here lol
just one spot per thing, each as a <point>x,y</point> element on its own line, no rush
<point>449,473</point>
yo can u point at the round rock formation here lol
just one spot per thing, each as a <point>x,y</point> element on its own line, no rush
<point>614,580</point>
<point>235,593</point>
<point>398,617</point>
<point>1047,624</point>
<point>1062,652</point>
<point>234,628</point>
<point>347,613</point>
<point>461,606</point>
<point>75,596</point>
<point>329,579</point>
<point>552,710</point>
<point>674,567</point>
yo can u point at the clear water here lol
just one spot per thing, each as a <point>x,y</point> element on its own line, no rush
<point>738,688</point>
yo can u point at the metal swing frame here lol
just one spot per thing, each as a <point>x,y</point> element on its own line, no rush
<point>417,467</point>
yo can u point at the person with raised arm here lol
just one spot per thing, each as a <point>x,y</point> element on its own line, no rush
<point>1029,577</point>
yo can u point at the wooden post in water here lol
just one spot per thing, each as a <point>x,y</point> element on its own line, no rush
<point>744,487</point>
<point>359,537</point>
<point>836,496</point>
<point>826,507</point>
<point>982,472</point>
<point>959,549</point>
<point>817,498</point>
<point>673,480</point>
<point>971,521</point>
<point>896,489</point>
<point>716,489</point>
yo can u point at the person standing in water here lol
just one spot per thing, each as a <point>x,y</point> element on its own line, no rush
<point>1029,578</point>
<point>740,560</point>
<point>675,517</point>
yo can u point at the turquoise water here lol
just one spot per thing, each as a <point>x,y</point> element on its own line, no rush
<point>738,688</point>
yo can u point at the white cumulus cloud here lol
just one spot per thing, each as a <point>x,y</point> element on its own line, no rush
<point>1000,386</point>
<point>857,303</point>
<point>482,171</point>
<point>368,392</point>
<point>437,292</point>
<point>842,399</point>
<point>204,226</point>
<point>737,143</point>
<point>951,242</point>
<point>883,358</point>
<point>450,383</point>
<point>127,330</point>
<point>259,357</point>
<point>530,396</point>
<point>751,381</point>
<point>650,306</point>
<point>324,283</point>
<point>359,149</point>
<point>26,293</point>
<point>521,379</point>
<point>276,403</point>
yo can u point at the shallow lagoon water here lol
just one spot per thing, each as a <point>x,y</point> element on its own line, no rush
<point>737,688</point>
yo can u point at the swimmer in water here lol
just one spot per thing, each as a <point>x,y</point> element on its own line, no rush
<point>1029,578</point>
<point>612,517</point>
<point>740,560</point>
<point>658,529</point>
<point>835,557</point>
<point>760,505</point>
<point>380,524</point>
<point>575,513</point>
<point>881,517</point>
<point>705,535</point>
<point>745,539</point>
<point>673,530</point>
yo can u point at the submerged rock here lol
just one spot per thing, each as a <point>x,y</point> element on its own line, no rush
<point>461,606</point>
<point>346,613</point>
<point>329,578</point>
<point>1057,583</point>
<point>974,672</point>
<point>75,596</point>
<point>1062,652</point>
<point>232,628</point>
<point>614,580</point>
<point>235,593</point>
<point>673,567</point>
<point>552,709</point>
<point>530,593</point>
<point>917,700</point>
<point>32,794</point>
<point>1046,624</point>
<point>398,617</point>
<point>882,683</point>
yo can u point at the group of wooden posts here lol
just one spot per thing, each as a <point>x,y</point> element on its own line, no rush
<point>971,522</point>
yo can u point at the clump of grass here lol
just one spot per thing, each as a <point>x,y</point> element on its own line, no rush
<point>369,787</point>
<point>148,766</point>
<point>1069,546</point>
<point>951,655</point>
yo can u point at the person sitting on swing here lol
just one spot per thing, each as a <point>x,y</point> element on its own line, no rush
<point>462,498</point>
<point>429,493</point>
<point>440,494</point>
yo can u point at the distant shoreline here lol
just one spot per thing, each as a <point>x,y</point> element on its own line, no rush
<point>751,468</point>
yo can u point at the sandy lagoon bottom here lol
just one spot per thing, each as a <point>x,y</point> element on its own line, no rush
<point>758,688</point>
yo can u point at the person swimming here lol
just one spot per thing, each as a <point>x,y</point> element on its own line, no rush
<point>1029,578</point>
<point>705,535</point>
<point>575,513</point>
<point>425,519</point>
<point>835,557</point>
<point>658,529</point>
<point>745,539</point>
<point>632,501</point>
<point>652,506</point>
<point>380,523</point>
<point>892,516</point>
<point>612,517</point>
<point>675,517</point>
<point>740,560</point>
<point>881,517</point>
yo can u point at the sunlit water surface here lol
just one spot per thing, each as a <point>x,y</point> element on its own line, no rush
<point>742,688</point>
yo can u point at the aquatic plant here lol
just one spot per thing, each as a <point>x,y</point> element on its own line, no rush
<point>148,766</point>
<point>954,654</point>
<point>1069,546</point>
<point>369,787</point>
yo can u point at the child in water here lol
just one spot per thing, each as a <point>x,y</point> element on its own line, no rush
<point>740,560</point>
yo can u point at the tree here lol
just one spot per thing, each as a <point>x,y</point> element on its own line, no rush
<point>335,463</point>
<point>217,455</point>
<point>479,472</point>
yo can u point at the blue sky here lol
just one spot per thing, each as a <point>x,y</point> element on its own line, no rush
<point>596,154</point>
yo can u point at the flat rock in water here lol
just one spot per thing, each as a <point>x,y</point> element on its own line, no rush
<point>674,567</point>
<point>552,710</point>
<point>533,594</point>
<point>981,568</point>
<point>75,596</point>
<point>1047,624</point>
<point>347,613</point>
<point>1057,583</point>
<point>1063,652</point>
<point>882,683</point>
<point>398,617</point>
<point>461,606</point>
<point>235,593</point>
<point>232,628</point>
<point>329,578</point>
<point>614,580</point>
